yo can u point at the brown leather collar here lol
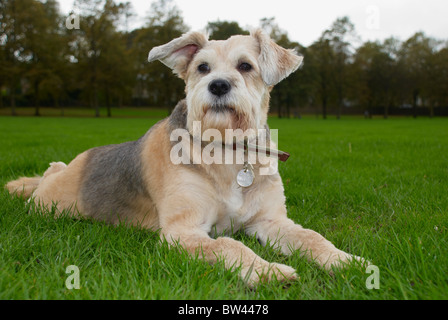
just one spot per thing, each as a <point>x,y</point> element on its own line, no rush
<point>246,147</point>
<point>281,155</point>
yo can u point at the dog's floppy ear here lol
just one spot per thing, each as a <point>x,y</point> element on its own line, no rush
<point>178,53</point>
<point>276,62</point>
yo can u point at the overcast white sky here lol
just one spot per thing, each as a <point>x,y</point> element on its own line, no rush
<point>306,20</point>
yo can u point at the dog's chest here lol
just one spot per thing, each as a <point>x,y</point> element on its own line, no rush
<point>234,201</point>
<point>235,209</point>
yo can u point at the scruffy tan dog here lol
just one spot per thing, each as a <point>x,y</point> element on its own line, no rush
<point>227,87</point>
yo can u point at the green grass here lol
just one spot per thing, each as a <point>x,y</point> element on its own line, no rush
<point>375,188</point>
<point>128,112</point>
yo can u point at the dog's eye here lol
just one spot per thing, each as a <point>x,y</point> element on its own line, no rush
<point>203,68</point>
<point>244,67</point>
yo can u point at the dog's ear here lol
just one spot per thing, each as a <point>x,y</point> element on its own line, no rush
<point>276,62</point>
<point>178,53</point>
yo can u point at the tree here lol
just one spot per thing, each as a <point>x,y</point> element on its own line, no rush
<point>414,56</point>
<point>321,69</point>
<point>52,86</point>
<point>42,50</point>
<point>116,77</point>
<point>222,30</point>
<point>165,23</point>
<point>372,69</point>
<point>329,64</point>
<point>100,51</point>
<point>440,81</point>
<point>396,74</point>
<point>435,87</point>
<point>341,37</point>
<point>42,62</point>
<point>12,24</point>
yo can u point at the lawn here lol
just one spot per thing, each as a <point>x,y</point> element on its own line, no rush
<point>375,188</point>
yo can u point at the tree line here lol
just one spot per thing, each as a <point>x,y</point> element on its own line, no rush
<point>91,59</point>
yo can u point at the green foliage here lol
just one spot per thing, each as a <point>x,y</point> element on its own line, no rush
<point>155,83</point>
<point>222,30</point>
<point>103,64</point>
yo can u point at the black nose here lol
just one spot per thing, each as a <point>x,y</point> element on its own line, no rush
<point>219,87</point>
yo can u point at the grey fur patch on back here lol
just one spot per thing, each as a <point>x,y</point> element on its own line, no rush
<point>112,180</point>
<point>178,118</point>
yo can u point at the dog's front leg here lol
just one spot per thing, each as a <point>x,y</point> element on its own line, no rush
<point>287,236</point>
<point>234,254</point>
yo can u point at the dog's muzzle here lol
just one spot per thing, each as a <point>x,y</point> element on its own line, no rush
<point>219,87</point>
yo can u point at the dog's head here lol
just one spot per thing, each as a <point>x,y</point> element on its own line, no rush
<point>227,82</point>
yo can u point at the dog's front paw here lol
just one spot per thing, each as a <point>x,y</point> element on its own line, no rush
<point>281,272</point>
<point>340,260</point>
<point>267,272</point>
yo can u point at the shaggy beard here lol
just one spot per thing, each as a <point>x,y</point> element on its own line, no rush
<point>222,118</point>
<point>223,113</point>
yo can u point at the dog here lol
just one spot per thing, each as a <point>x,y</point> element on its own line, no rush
<point>197,205</point>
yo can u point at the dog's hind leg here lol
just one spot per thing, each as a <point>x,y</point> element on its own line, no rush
<point>24,186</point>
<point>57,188</point>
<point>60,185</point>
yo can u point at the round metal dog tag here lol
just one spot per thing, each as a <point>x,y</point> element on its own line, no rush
<point>245,178</point>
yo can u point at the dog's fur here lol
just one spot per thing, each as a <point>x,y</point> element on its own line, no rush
<point>137,183</point>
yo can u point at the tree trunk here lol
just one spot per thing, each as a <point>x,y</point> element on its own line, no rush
<point>13,60</point>
<point>279,106</point>
<point>1,98</point>
<point>369,108</point>
<point>340,103</point>
<point>414,105</point>
<point>13,101</point>
<point>324,108</point>
<point>109,114</point>
<point>36,99</point>
<point>288,102</point>
<point>95,102</point>
<point>120,101</point>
